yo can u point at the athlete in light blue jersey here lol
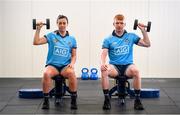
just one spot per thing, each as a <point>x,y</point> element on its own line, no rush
<point>60,60</point>
<point>119,47</point>
<point>60,48</point>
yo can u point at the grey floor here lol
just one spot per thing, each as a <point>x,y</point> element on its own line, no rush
<point>90,98</point>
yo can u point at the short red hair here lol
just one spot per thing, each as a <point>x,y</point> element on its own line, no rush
<point>119,17</point>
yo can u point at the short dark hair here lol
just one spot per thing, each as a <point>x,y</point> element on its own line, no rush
<point>62,16</point>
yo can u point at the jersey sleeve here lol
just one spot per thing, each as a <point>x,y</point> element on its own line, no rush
<point>74,43</point>
<point>48,36</point>
<point>136,38</point>
<point>105,44</point>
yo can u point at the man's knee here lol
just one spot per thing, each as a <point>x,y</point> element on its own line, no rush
<point>135,72</point>
<point>47,75</point>
<point>69,73</point>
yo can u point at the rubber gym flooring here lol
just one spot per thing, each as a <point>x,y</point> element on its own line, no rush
<point>90,98</point>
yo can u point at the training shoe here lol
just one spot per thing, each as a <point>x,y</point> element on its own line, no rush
<point>107,104</point>
<point>45,104</point>
<point>73,104</point>
<point>138,105</point>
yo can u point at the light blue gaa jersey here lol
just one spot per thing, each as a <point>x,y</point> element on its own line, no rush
<point>59,48</point>
<point>120,48</point>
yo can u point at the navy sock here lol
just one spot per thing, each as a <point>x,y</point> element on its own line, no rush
<point>73,97</point>
<point>46,96</point>
<point>74,94</point>
<point>137,94</point>
<point>106,93</point>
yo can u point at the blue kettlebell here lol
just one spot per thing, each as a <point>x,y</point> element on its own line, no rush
<point>84,75</point>
<point>94,75</point>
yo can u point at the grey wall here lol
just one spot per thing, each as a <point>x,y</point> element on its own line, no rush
<point>90,21</point>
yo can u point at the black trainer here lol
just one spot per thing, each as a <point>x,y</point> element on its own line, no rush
<point>73,104</point>
<point>45,104</point>
<point>138,105</point>
<point>107,104</point>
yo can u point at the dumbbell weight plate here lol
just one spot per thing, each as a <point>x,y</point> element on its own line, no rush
<point>47,24</point>
<point>148,27</point>
<point>135,24</point>
<point>34,24</point>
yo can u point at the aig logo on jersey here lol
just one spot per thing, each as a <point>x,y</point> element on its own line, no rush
<point>60,51</point>
<point>121,50</point>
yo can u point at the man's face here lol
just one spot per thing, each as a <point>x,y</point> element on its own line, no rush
<point>119,25</point>
<point>62,24</point>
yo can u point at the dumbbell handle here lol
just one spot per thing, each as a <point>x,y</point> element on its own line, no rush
<point>42,24</point>
<point>143,25</point>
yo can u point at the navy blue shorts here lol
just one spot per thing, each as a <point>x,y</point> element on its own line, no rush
<point>121,69</point>
<point>57,68</point>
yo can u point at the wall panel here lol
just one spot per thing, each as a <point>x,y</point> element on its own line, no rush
<point>90,21</point>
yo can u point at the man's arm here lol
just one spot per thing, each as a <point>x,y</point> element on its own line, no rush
<point>103,59</point>
<point>73,56</point>
<point>37,39</point>
<point>145,42</point>
<point>103,56</point>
